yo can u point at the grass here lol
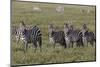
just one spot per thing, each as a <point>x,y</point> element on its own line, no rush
<point>23,11</point>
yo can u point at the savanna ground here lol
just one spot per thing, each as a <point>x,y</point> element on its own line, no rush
<point>23,11</point>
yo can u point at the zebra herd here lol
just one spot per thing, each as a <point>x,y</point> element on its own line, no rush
<point>70,35</point>
<point>66,37</point>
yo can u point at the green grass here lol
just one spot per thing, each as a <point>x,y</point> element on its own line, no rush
<point>23,11</point>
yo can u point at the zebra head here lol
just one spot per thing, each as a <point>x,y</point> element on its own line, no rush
<point>20,30</point>
<point>71,27</point>
<point>84,29</point>
<point>51,28</point>
<point>84,26</point>
<point>66,28</point>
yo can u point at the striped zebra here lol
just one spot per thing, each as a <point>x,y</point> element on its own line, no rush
<point>72,36</point>
<point>56,36</point>
<point>88,36</point>
<point>32,35</point>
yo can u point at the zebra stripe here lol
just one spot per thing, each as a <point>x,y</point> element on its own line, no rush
<point>32,34</point>
<point>36,32</point>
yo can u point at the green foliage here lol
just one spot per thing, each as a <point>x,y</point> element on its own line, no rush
<point>23,11</point>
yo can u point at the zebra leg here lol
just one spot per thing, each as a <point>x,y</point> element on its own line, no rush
<point>87,43</point>
<point>84,41</point>
<point>26,46</point>
<point>35,44</point>
<point>40,44</point>
<point>80,43</point>
<point>77,44</point>
<point>51,40</point>
<point>67,42</point>
<point>18,38</point>
<point>67,45</point>
<point>91,42</point>
<point>72,44</point>
<point>54,45</point>
<point>64,45</point>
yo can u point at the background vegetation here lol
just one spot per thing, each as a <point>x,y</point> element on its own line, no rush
<point>23,11</point>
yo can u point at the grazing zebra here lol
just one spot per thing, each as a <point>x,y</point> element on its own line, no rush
<point>88,36</point>
<point>72,35</point>
<point>56,36</point>
<point>32,35</point>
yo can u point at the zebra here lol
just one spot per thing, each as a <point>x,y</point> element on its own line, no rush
<point>32,35</point>
<point>56,36</point>
<point>88,36</point>
<point>72,35</point>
